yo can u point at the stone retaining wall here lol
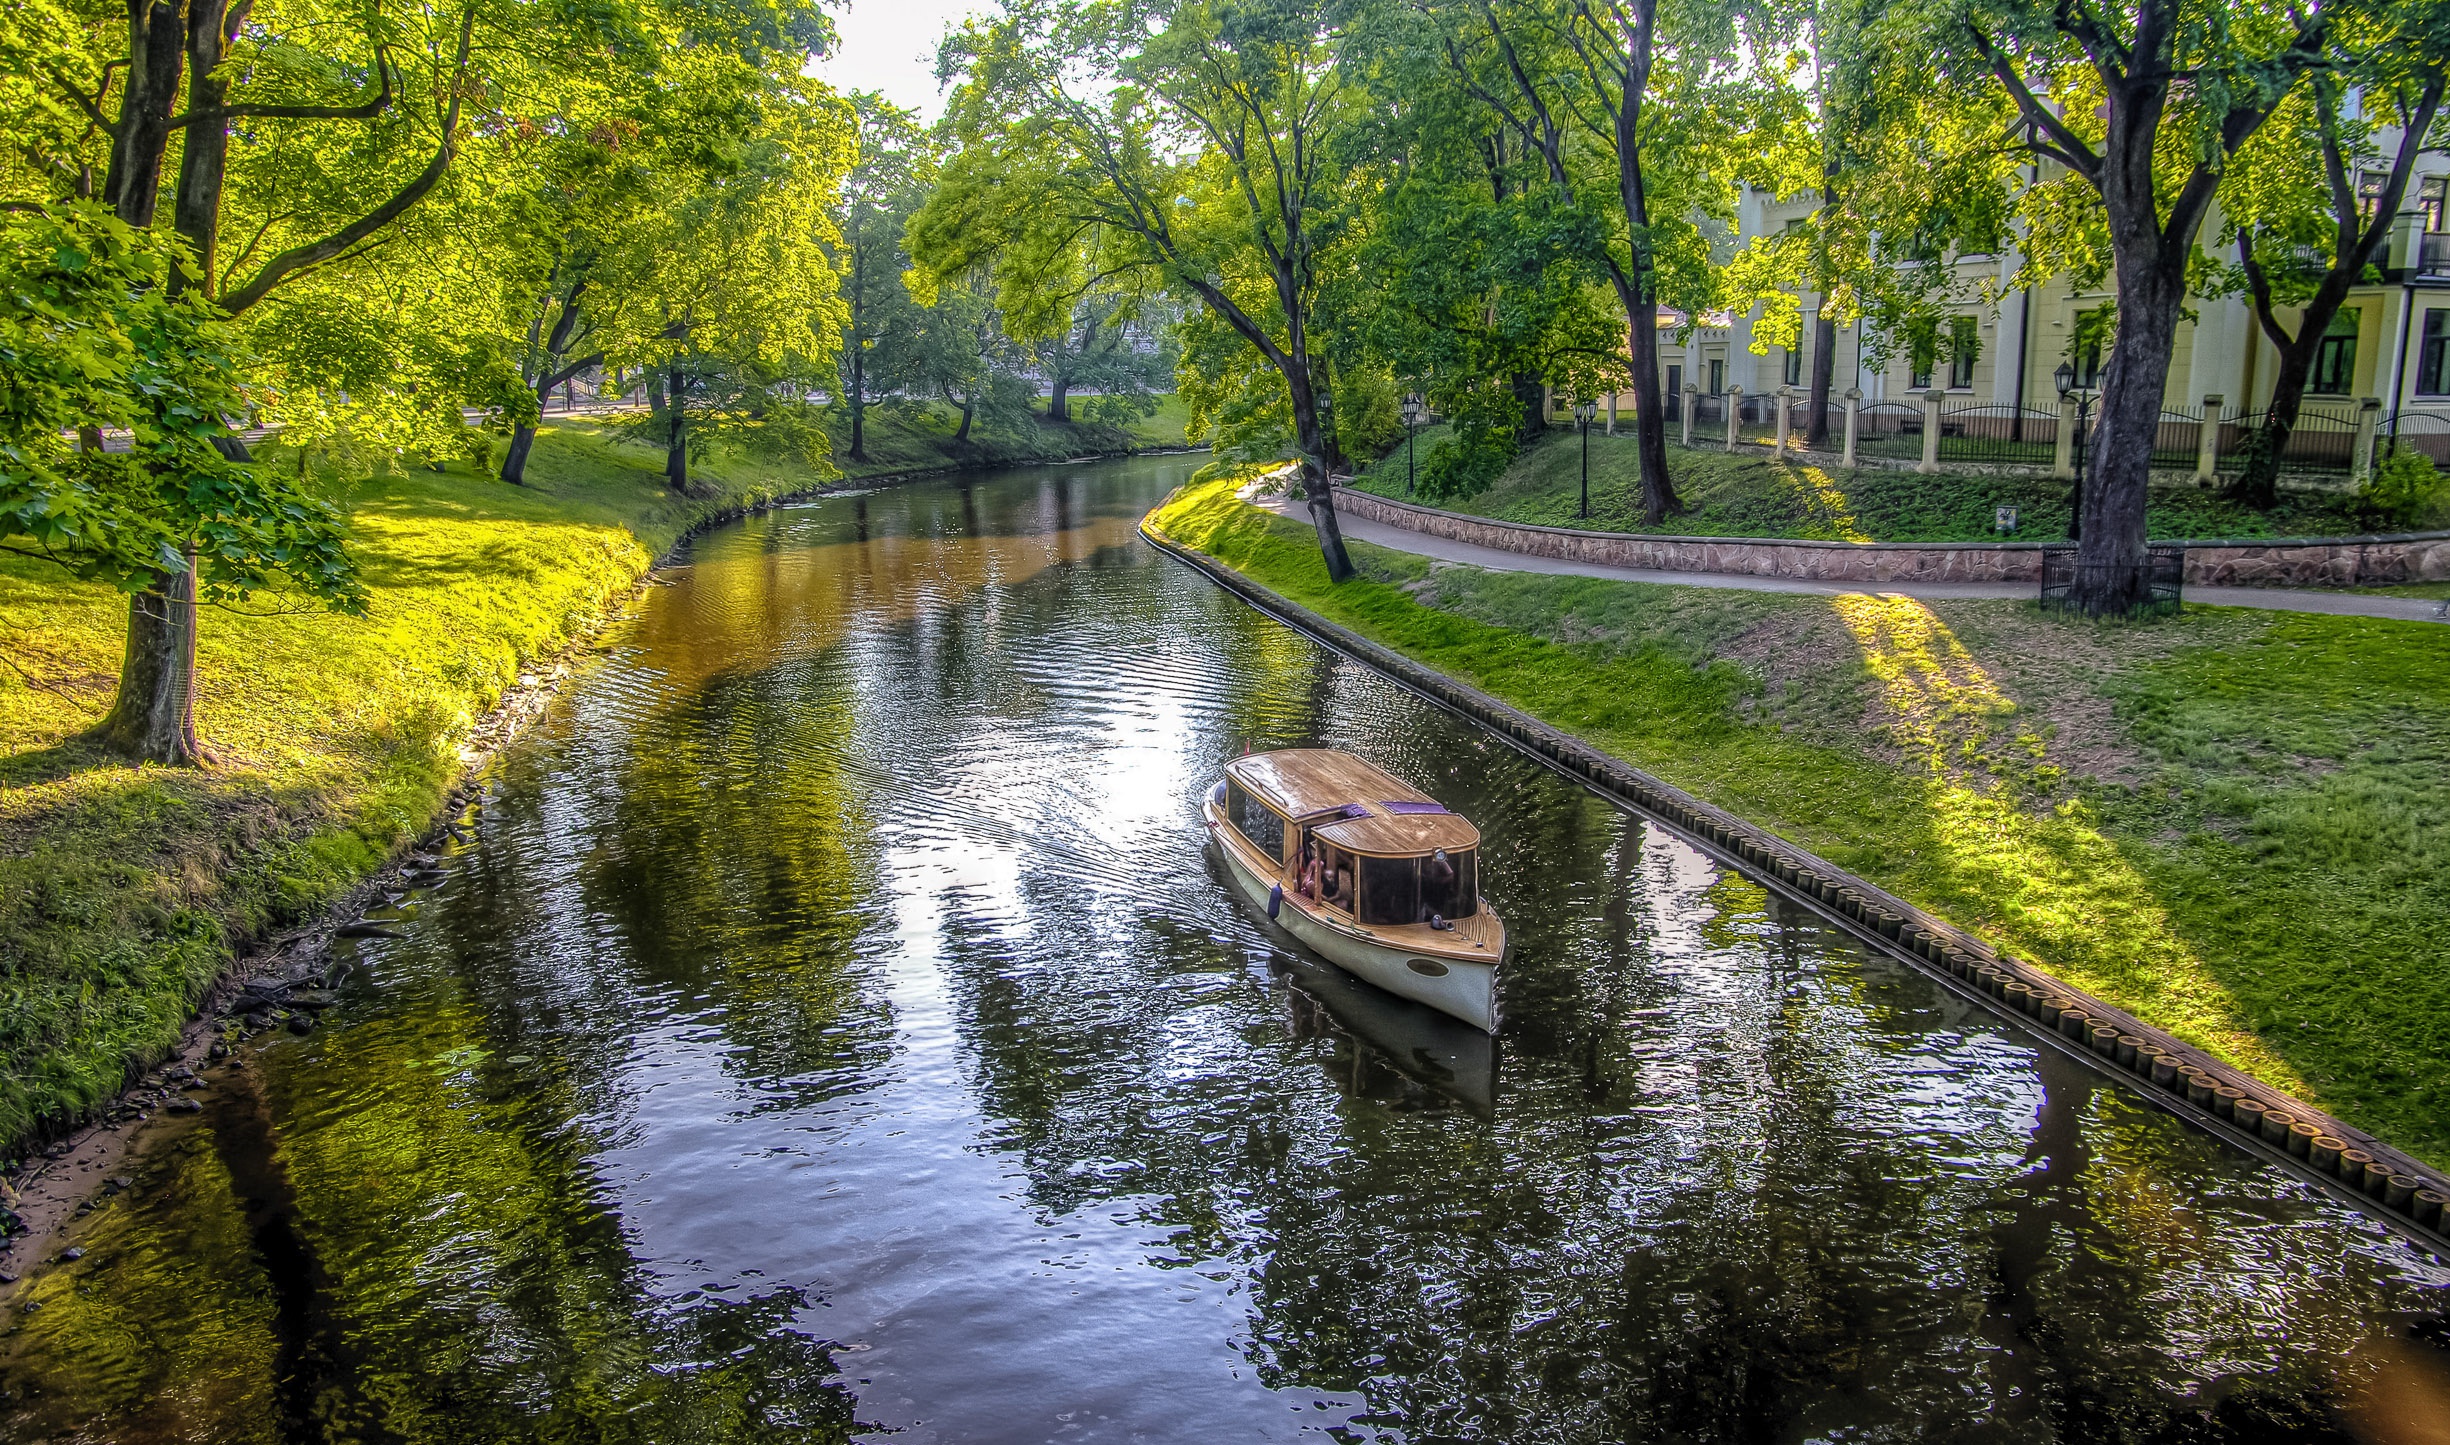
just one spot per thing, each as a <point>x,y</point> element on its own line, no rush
<point>2387,1185</point>
<point>2281,562</point>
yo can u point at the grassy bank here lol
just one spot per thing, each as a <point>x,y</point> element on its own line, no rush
<point>2233,824</point>
<point>1752,494</point>
<point>123,891</point>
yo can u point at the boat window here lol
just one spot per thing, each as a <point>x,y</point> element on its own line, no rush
<point>1336,880</point>
<point>1390,890</point>
<point>1459,899</point>
<point>1263,825</point>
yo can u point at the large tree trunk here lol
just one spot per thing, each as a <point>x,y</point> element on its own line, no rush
<point>2258,486</point>
<point>2151,286</point>
<point>514,461</point>
<point>676,439</point>
<point>1824,375</point>
<point>153,720</point>
<point>1316,488</point>
<point>969,409</point>
<point>1639,290</point>
<point>1058,396</point>
<point>858,398</point>
<point>157,46</point>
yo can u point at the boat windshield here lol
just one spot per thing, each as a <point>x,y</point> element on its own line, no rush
<point>1255,820</point>
<point>1409,890</point>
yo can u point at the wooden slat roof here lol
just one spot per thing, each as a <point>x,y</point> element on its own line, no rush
<point>1401,835</point>
<point>1303,781</point>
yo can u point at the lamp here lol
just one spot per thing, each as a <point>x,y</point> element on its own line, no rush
<point>1412,410</point>
<point>1583,414</point>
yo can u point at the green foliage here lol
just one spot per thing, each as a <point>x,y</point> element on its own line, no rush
<point>2406,490</point>
<point>1477,447</point>
<point>92,334</point>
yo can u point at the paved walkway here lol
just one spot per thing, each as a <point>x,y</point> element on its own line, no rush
<point>2277,599</point>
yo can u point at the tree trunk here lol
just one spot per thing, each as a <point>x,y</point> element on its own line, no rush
<point>1649,414</point>
<point>2258,486</point>
<point>676,444</point>
<point>969,408</point>
<point>514,461</point>
<point>1316,489</point>
<point>157,44</point>
<point>1639,291</point>
<point>1530,394</point>
<point>2110,577</point>
<point>153,720</point>
<point>1058,397</point>
<point>858,398</point>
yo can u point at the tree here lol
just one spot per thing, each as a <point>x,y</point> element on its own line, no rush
<point>2306,212</point>
<point>1202,139</point>
<point>896,167</point>
<point>2144,103</point>
<point>1645,107</point>
<point>93,334</point>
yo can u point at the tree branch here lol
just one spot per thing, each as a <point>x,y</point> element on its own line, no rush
<point>301,258</point>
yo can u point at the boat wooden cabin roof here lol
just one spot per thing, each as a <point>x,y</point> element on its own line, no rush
<point>1381,814</point>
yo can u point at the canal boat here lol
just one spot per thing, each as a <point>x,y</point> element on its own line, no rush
<point>1369,872</point>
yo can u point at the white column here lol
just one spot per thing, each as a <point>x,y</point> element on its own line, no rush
<point>1854,410</point>
<point>2063,450</point>
<point>1735,400</point>
<point>2368,421</point>
<point>1931,430</point>
<point>1611,412</point>
<point>2207,440</point>
<point>1692,390</point>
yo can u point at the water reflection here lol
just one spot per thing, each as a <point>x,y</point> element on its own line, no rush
<point>837,1028</point>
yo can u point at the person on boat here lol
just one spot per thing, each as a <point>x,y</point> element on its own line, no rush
<point>1335,886</point>
<point>1437,890</point>
<point>1307,885</point>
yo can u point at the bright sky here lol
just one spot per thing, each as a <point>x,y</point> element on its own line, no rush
<point>890,45</point>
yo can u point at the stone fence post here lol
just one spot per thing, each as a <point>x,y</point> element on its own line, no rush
<point>1931,430</point>
<point>1735,413</point>
<point>1611,431</point>
<point>1786,405</point>
<point>2207,440</point>
<point>2368,423</point>
<point>1854,413</point>
<point>2063,451</point>
<point>1692,392</point>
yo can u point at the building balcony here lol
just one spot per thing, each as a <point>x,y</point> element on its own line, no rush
<point>2433,253</point>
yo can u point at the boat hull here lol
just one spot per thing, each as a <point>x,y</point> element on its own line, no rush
<point>1460,988</point>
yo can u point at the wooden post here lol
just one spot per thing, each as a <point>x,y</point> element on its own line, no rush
<point>2207,441</point>
<point>1931,430</point>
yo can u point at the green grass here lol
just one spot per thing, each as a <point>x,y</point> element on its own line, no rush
<point>1752,494</point>
<point>124,891</point>
<point>2232,824</point>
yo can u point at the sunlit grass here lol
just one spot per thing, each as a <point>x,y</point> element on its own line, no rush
<point>2261,875</point>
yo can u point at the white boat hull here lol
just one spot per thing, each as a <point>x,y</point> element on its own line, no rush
<point>1460,988</point>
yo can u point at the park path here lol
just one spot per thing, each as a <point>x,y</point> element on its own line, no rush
<point>2277,599</point>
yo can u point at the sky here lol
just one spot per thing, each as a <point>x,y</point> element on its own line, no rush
<point>890,45</point>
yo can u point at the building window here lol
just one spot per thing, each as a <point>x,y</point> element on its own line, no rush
<point>1718,378</point>
<point>1675,380</point>
<point>1794,366</point>
<point>2335,356</point>
<point>1964,344</point>
<point>2433,358</point>
<point>2432,198</point>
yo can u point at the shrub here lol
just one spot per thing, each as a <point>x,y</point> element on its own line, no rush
<point>2406,490</point>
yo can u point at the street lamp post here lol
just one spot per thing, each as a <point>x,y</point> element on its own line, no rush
<point>1583,414</point>
<point>2065,376</point>
<point>1412,419</point>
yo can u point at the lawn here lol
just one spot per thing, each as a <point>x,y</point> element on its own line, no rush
<point>124,891</point>
<point>1750,493</point>
<point>2232,823</point>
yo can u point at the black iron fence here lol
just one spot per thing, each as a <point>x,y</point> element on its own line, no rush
<point>2323,440</point>
<point>2164,580</point>
<point>2177,443</point>
<point>1888,429</point>
<point>2420,431</point>
<point>2014,434</point>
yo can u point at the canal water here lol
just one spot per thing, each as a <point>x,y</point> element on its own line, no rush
<point>836,1029</point>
